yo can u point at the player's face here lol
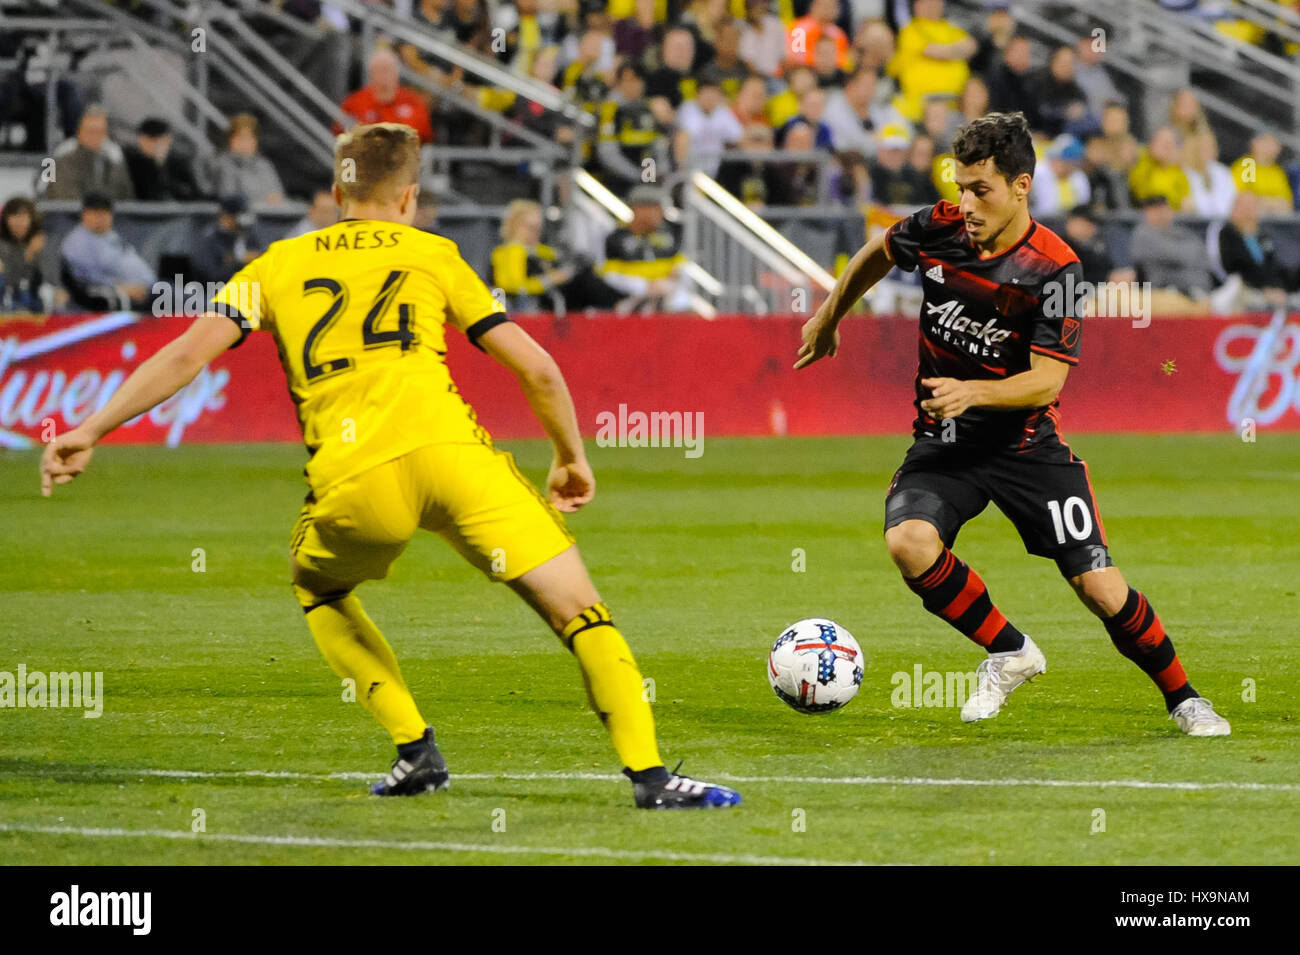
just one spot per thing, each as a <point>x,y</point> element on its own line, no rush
<point>988,202</point>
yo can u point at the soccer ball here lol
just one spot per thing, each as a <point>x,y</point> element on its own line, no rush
<point>815,666</point>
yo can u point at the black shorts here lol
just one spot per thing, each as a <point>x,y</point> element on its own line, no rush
<point>1045,492</point>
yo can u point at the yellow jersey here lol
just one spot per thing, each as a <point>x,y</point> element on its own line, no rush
<point>358,312</point>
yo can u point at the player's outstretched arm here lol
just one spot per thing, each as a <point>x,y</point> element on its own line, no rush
<point>820,336</point>
<point>166,372</point>
<point>570,484</point>
<point>1035,388</point>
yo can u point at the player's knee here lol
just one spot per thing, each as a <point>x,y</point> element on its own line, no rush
<point>1104,592</point>
<point>311,589</point>
<point>913,545</point>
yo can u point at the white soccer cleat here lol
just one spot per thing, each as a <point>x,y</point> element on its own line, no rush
<point>1196,717</point>
<point>998,675</point>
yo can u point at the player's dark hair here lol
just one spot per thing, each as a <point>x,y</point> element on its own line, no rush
<point>1002,137</point>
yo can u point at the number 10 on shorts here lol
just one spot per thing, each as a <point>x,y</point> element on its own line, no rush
<point>1073,517</point>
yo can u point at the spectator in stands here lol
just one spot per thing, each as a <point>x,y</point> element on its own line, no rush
<point>594,19</point>
<point>796,182</point>
<point>750,104</point>
<point>999,26</point>
<point>22,240</point>
<point>99,269</point>
<point>535,117</point>
<point>223,249</point>
<point>523,266</point>
<point>1188,120</point>
<point>1084,237</point>
<point>1011,84</point>
<point>802,37</point>
<point>1213,189</point>
<point>940,121</point>
<point>243,171</point>
<point>709,124</point>
<point>636,34</point>
<point>874,48</point>
<point>527,31</point>
<point>1121,146</point>
<point>643,259</point>
<point>1062,105</point>
<point>321,214</point>
<point>1244,250</point>
<point>850,183</point>
<point>1107,185</point>
<point>973,102</point>
<point>853,115</point>
<point>90,164</point>
<point>701,18</point>
<point>932,57</point>
<point>469,22</point>
<point>1062,185</point>
<point>812,112</point>
<point>749,180</point>
<point>432,15</point>
<point>1258,172</point>
<point>762,38</point>
<point>894,181</point>
<point>785,104</point>
<point>672,81</point>
<point>1092,77</point>
<point>826,65</point>
<point>632,137</point>
<point>1168,255</point>
<point>384,100</point>
<point>1158,172</point>
<point>727,64</point>
<point>158,173</point>
<point>920,160</point>
<point>583,79</point>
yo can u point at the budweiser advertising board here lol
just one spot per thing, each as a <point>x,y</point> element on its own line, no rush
<point>1173,375</point>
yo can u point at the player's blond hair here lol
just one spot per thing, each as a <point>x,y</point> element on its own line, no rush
<point>376,162</point>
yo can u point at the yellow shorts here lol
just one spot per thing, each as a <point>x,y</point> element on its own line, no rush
<point>471,494</point>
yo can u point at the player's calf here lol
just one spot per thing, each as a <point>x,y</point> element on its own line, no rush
<point>1138,634</point>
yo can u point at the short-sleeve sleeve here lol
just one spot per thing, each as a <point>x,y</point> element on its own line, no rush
<point>242,299</point>
<point>906,236</point>
<point>1057,326</point>
<point>471,307</point>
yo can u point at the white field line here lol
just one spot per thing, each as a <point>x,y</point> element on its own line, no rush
<point>320,842</point>
<point>725,778</point>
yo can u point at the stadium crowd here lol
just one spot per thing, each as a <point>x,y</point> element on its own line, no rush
<point>788,103</point>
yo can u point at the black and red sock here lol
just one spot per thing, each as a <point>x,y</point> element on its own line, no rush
<point>952,590</point>
<point>1138,633</point>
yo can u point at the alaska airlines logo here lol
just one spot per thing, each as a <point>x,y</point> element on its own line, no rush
<point>949,317</point>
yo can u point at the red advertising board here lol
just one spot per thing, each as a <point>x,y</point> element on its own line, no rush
<point>1175,375</point>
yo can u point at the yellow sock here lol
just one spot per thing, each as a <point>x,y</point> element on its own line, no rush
<point>356,650</point>
<point>614,686</point>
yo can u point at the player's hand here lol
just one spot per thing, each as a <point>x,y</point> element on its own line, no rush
<point>949,397</point>
<point>65,457</point>
<point>821,339</point>
<point>570,486</point>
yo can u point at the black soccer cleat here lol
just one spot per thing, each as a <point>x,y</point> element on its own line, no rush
<point>413,775</point>
<point>682,792</point>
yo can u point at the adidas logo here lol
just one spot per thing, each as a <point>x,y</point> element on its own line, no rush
<point>935,273</point>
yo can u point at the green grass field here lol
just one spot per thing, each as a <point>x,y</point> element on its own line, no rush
<point>211,679</point>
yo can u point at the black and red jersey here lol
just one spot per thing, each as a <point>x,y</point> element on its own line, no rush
<point>981,318</point>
